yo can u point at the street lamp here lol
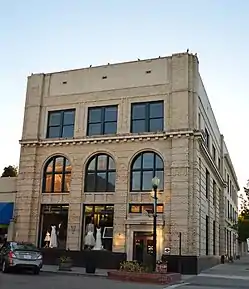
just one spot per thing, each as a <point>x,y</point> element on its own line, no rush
<point>155,184</point>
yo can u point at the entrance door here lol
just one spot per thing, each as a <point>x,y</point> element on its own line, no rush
<point>142,246</point>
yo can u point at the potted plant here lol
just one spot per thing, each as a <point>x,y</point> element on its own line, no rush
<point>65,263</point>
<point>161,267</point>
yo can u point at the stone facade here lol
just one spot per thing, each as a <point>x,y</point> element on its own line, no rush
<point>181,145</point>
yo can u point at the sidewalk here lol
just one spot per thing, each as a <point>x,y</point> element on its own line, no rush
<point>76,271</point>
<point>239,268</point>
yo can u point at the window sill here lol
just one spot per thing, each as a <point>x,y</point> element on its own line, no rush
<point>99,193</point>
<point>55,194</point>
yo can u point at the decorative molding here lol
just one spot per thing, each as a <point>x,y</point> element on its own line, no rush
<point>109,139</point>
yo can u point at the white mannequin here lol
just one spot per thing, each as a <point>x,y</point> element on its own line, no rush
<point>53,238</point>
<point>98,245</point>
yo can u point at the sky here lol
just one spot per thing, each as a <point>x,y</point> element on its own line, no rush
<point>45,36</point>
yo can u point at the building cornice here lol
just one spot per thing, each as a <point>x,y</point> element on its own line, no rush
<point>210,161</point>
<point>107,139</point>
<point>230,165</point>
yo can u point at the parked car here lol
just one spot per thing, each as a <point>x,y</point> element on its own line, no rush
<point>20,255</point>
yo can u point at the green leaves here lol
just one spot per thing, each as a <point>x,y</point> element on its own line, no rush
<point>10,171</point>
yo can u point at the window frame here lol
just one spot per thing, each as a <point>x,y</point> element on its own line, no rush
<point>103,120</point>
<point>208,179</point>
<point>147,117</point>
<point>63,172</point>
<point>95,171</point>
<point>141,170</point>
<point>61,125</point>
<point>145,204</point>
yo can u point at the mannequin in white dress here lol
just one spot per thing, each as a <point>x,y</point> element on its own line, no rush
<point>98,245</point>
<point>89,238</point>
<point>53,238</point>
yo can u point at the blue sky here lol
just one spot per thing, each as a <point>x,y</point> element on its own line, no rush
<point>44,36</point>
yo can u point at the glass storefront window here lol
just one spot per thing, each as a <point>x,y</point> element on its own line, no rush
<point>141,208</point>
<point>98,217</point>
<point>53,226</point>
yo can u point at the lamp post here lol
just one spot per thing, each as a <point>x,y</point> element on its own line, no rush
<point>155,184</point>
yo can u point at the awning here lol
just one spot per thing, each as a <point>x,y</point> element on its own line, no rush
<point>6,213</point>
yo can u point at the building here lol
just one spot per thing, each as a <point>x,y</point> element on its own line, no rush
<point>94,138</point>
<point>7,200</point>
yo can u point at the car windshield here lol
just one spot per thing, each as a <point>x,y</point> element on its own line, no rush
<point>24,246</point>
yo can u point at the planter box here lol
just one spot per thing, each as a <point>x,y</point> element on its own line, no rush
<point>152,278</point>
<point>65,266</point>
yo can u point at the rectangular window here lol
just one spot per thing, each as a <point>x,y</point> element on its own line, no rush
<point>219,165</point>
<point>61,124</point>
<point>207,140</point>
<point>214,153</point>
<point>228,209</point>
<point>207,183</point>
<point>147,117</point>
<point>228,182</point>
<point>214,193</point>
<point>102,120</point>
<point>98,217</point>
<point>214,238</point>
<point>143,208</point>
<point>57,216</point>
<point>207,235</point>
<point>199,121</point>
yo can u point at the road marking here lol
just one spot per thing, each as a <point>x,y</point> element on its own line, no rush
<point>176,285</point>
<point>224,276</point>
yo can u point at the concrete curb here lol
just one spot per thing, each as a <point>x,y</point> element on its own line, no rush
<point>71,273</point>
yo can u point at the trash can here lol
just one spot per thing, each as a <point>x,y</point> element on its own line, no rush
<point>90,263</point>
<point>222,259</point>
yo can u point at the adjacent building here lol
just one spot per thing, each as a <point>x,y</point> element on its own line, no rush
<point>94,138</point>
<point>7,200</point>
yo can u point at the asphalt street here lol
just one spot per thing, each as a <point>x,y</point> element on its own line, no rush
<point>56,281</point>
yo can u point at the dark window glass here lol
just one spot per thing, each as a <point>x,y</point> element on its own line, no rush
<point>57,175</point>
<point>54,132</point>
<point>156,109</point>
<point>100,174</point>
<point>102,120</point>
<point>68,118</point>
<point>94,129</point>
<point>145,166</point>
<point>138,126</point>
<point>138,111</point>
<point>110,127</point>
<point>111,113</point>
<point>207,235</point>
<point>61,124</point>
<point>207,183</point>
<point>94,115</point>
<point>54,118</point>
<point>147,117</point>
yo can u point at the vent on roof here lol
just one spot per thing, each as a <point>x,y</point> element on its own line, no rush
<point>104,77</point>
<point>148,71</point>
<point>64,82</point>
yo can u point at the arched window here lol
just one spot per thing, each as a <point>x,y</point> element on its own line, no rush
<point>100,174</point>
<point>144,168</point>
<point>57,175</point>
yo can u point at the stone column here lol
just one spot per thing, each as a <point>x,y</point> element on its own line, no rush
<point>120,207</point>
<point>27,197</point>
<point>179,196</point>
<point>75,209</point>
